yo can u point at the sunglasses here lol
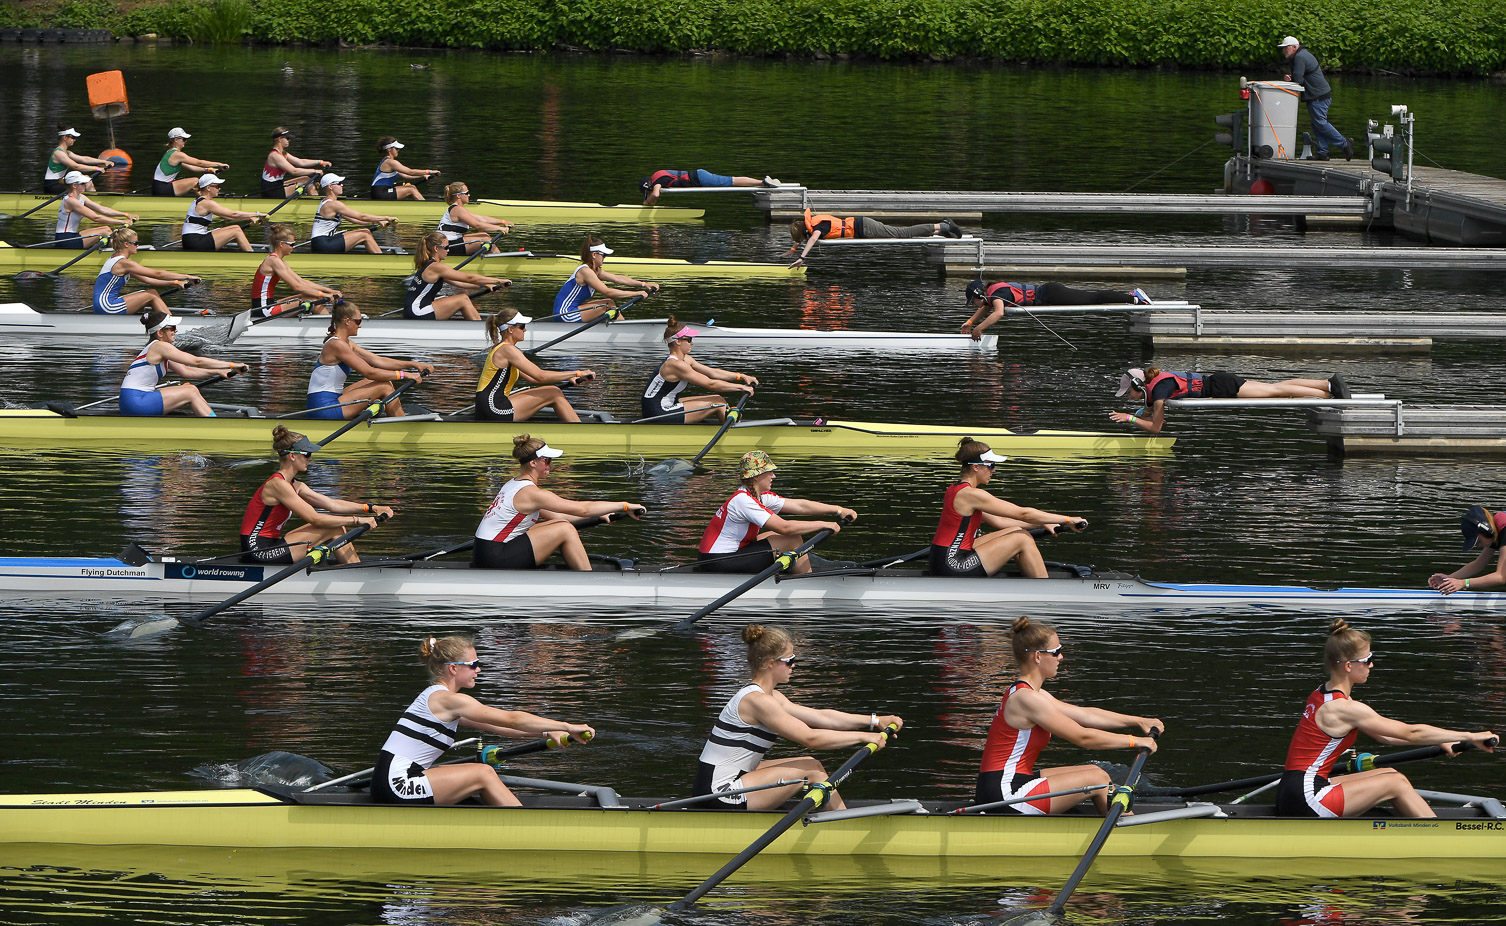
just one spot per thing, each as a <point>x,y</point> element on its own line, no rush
<point>1369,660</point>
<point>1057,651</point>
<point>473,664</point>
<point>787,660</point>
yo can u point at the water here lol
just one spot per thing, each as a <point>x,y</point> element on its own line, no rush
<point>1244,498</point>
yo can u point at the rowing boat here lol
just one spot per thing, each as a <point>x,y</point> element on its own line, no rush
<point>458,334</point>
<point>425,434</point>
<point>514,265</point>
<point>1077,588</point>
<point>521,211</point>
<point>605,824</point>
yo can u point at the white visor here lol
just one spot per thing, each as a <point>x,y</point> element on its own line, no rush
<point>397,144</point>
<point>210,180</point>
<point>74,132</point>
<point>602,249</point>
<point>547,452</point>
<point>988,456</point>
<point>169,322</point>
<point>75,176</point>
<point>518,320</point>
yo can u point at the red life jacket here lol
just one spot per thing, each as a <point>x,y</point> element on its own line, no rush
<point>1017,293</point>
<point>668,178</point>
<point>1187,384</point>
<point>840,228</point>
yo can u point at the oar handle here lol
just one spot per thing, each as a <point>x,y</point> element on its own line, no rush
<point>781,562</point>
<point>371,411</point>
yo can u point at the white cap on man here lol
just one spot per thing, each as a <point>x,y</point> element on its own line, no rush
<point>177,132</point>
<point>210,180</point>
<point>1289,42</point>
<point>74,176</point>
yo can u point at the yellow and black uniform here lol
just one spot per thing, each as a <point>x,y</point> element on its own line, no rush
<point>492,390</point>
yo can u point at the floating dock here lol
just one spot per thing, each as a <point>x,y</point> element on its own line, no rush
<point>1194,328</point>
<point>962,259</point>
<point>962,206</point>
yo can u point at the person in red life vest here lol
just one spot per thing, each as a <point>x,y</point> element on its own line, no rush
<point>661,180</point>
<point>991,301</point>
<point>758,715</point>
<point>1153,387</point>
<point>282,172</point>
<point>1482,528</point>
<point>956,548</point>
<point>282,495</point>
<point>274,269</point>
<point>815,226</point>
<point>733,542</point>
<point>527,523</point>
<point>1329,724</point>
<point>1029,715</point>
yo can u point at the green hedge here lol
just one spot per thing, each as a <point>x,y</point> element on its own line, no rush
<point>1415,36</point>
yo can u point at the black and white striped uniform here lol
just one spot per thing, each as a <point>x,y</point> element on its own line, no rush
<point>733,748</point>
<point>416,743</point>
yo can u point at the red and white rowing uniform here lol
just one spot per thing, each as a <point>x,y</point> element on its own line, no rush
<point>262,286</point>
<point>1313,754</point>
<point>737,523</point>
<point>503,522</point>
<point>1008,768</point>
<point>262,520</point>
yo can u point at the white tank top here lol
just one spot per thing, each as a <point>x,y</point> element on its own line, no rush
<point>502,522</point>
<point>141,375</point>
<point>68,220</point>
<point>328,377</point>
<point>453,229</point>
<point>193,223</point>
<point>420,736</point>
<point>734,743</point>
<point>325,225</point>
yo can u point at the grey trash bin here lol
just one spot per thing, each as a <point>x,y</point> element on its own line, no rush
<point>1273,118</point>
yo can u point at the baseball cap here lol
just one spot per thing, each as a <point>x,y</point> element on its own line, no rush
<point>1289,40</point>
<point>1134,378</point>
<point>973,291</point>
<point>328,179</point>
<point>755,463</point>
<point>69,131</point>
<point>1476,522</point>
<point>210,180</point>
<point>177,132</point>
<point>75,176</point>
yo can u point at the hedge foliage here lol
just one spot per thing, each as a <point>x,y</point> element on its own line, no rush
<point>1409,36</point>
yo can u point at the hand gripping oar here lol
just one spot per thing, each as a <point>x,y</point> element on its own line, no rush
<point>610,315</point>
<point>781,562</point>
<point>491,755</point>
<point>489,245</point>
<point>1120,801</point>
<point>27,275</point>
<point>372,410</point>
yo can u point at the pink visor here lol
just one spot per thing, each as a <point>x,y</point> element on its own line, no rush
<point>686,332</point>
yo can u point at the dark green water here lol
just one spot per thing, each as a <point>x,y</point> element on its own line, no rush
<point>1243,499</point>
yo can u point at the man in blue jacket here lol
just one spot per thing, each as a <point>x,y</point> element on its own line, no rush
<point>1318,95</point>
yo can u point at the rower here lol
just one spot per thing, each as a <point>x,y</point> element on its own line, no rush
<point>1028,716</point>
<point>384,184</point>
<point>282,495</point>
<point>422,299</point>
<point>405,772</point>
<point>661,180</point>
<point>274,269</point>
<point>1152,387</point>
<point>575,303</point>
<point>661,396</point>
<point>759,715</point>
<point>75,207</point>
<point>330,397</point>
<point>466,231</point>
<point>327,237</point>
<point>956,548</point>
<point>526,523</point>
<point>62,161</point>
<point>139,394</point>
<point>169,178</point>
<point>497,395</point>
<point>196,233</point>
<point>282,173</point>
<point>1328,726</point>
<point>109,285</point>
<point>991,301</point>
<point>813,227</point>
<point>1482,528</point>
<point>732,542</point>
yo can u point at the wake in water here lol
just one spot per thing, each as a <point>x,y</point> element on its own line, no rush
<point>275,769</point>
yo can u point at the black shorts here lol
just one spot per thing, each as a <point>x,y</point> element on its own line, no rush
<point>651,409</point>
<point>264,550</point>
<point>328,244</point>
<point>273,189</point>
<point>199,242</point>
<point>493,407</point>
<point>755,557</point>
<point>53,187</point>
<point>991,789</point>
<point>516,553</point>
<point>1291,799</point>
<point>162,188</point>
<point>704,773</point>
<point>384,192</point>
<point>1222,386</point>
<point>411,780</point>
<point>958,563</point>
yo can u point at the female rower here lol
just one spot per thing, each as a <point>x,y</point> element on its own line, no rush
<point>574,302</point>
<point>758,715</point>
<point>108,296</point>
<point>274,269</point>
<point>812,228</point>
<point>1153,388</point>
<point>990,302</point>
<point>732,542</point>
<point>330,397</point>
<point>1481,528</point>
<point>661,397</point>
<point>327,237</point>
<point>282,172</point>
<point>200,215</point>
<point>1028,716</point>
<point>422,299</point>
<point>384,184</point>
<point>1328,726</point>
<point>661,180</point>
<point>282,495</point>
<point>62,160</point>
<point>169,178</point>
<point>526,523</point>
<point>75,207</point>
<point>139,394</point>
<point>405,772</point>
<point>956,548</point>
<point>496,399</point>
<point>466,231</point>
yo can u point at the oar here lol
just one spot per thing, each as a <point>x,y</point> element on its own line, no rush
<point>1120,802</point>
<point>29,275</point>
<point>202,384</point>
<point>610,315</point>
<point>244,321</point>
<point>372,410</point>
<point>583,524</point>
<point>489,245</point>
<point>491,755</point>
<point>39,207</point>
<point>297,194</point>
<point>676,466</point>
<point>884,562</point>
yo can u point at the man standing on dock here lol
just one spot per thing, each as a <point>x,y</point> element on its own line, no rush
<point>1318,96</point>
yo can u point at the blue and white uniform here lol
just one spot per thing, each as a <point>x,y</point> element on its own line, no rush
<point>384,182</point>
<point>326,384</point>
<point>415,744</point>
<point>109,289</point>
<point>733,748</point>
<point>327,237</point>
<point>195,232</point>
<point>138,391</point>
<point>572,295</point>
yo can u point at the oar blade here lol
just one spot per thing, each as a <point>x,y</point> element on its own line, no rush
<point>630,915</point>
<point>1035,918</point>
<point>141,629</point>
<point>239,325</point>
<point>28,276</point>
<point>674,466</point>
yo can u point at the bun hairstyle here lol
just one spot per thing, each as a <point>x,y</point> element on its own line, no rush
<point>1026,635</point>
<point>452,190</point>
<point>764,643</point>
<point>968,450</point>
<point>282,232</point>
<point>436,651</point>
<point>428,248</point>
<point>121,237</point>
<point>495,323</point>
<point>342,313</point>
<point>1345,643</point>
<point>671,327</point>
<point>524,445</point>
<point>385,142</point>
<point>283,439</point>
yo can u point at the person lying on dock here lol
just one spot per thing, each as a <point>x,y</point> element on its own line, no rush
<point>813,227</point>
<point>956,548</point>
<point>1153,387</point>
<point>588,293</point>
<point>274,269</point>
<point>732,542</point>
<point>1482,528</point>
<point>661,180</point>
<point>990,301</point>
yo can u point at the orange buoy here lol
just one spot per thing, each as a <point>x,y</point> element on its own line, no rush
<point>1261,187</point>
<point>107,98</point>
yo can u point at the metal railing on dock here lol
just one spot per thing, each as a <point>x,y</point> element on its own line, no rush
<point>965,258</point>
<point>785,203</point>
